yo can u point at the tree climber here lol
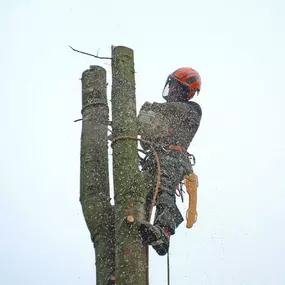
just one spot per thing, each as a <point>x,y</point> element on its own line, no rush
<point>170,127</point>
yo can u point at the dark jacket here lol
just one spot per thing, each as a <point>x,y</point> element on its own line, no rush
<point>173,123</point>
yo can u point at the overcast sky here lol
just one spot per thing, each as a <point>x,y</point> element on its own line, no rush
<point>238,48</point>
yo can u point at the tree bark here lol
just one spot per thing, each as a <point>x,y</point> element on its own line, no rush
<point>128,182</point>
<point>94,174</point>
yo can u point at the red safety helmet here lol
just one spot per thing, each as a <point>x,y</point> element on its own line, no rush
<point>188,78</point>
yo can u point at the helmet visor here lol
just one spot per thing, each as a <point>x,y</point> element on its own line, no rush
<point>166,88</point>
<point>174,89</point>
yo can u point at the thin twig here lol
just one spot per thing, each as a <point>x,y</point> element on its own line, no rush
<point>90,54</point>
<point>77,120</point>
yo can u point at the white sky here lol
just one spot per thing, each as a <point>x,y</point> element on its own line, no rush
<point>237,46</point>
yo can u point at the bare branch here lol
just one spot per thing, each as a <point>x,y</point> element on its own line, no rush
<point>77,120</point>
<point>96,56</point>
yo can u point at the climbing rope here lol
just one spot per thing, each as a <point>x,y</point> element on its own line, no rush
<point>168,268</point>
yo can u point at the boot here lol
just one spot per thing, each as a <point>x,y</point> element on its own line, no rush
<point>155,236</point>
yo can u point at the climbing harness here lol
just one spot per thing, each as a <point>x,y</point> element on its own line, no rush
<point>190,182</point>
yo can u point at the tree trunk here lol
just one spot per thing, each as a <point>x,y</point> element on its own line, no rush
<point>128,181</point>
<point>94,174</point>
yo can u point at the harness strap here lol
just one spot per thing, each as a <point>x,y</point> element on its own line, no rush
<point>176,147</point>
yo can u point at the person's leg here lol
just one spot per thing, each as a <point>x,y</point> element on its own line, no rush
<point>167,217</point>
<point>172,171</point>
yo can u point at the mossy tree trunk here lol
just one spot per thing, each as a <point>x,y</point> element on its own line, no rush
<point>128,182</point>
<point>94,175</point>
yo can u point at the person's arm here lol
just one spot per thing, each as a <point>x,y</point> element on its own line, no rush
<point>150,122</point>
<point>194,113</point>
<point>145,117</point>
<point>182,111</point>
<point>146,106</point>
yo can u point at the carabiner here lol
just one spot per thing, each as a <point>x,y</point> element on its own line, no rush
<point>192,159</point>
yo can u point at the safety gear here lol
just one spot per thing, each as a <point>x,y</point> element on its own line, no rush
<point>184,81</point>
<point>155,236</point>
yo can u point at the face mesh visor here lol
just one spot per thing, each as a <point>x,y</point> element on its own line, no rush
<point>166,88</point>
